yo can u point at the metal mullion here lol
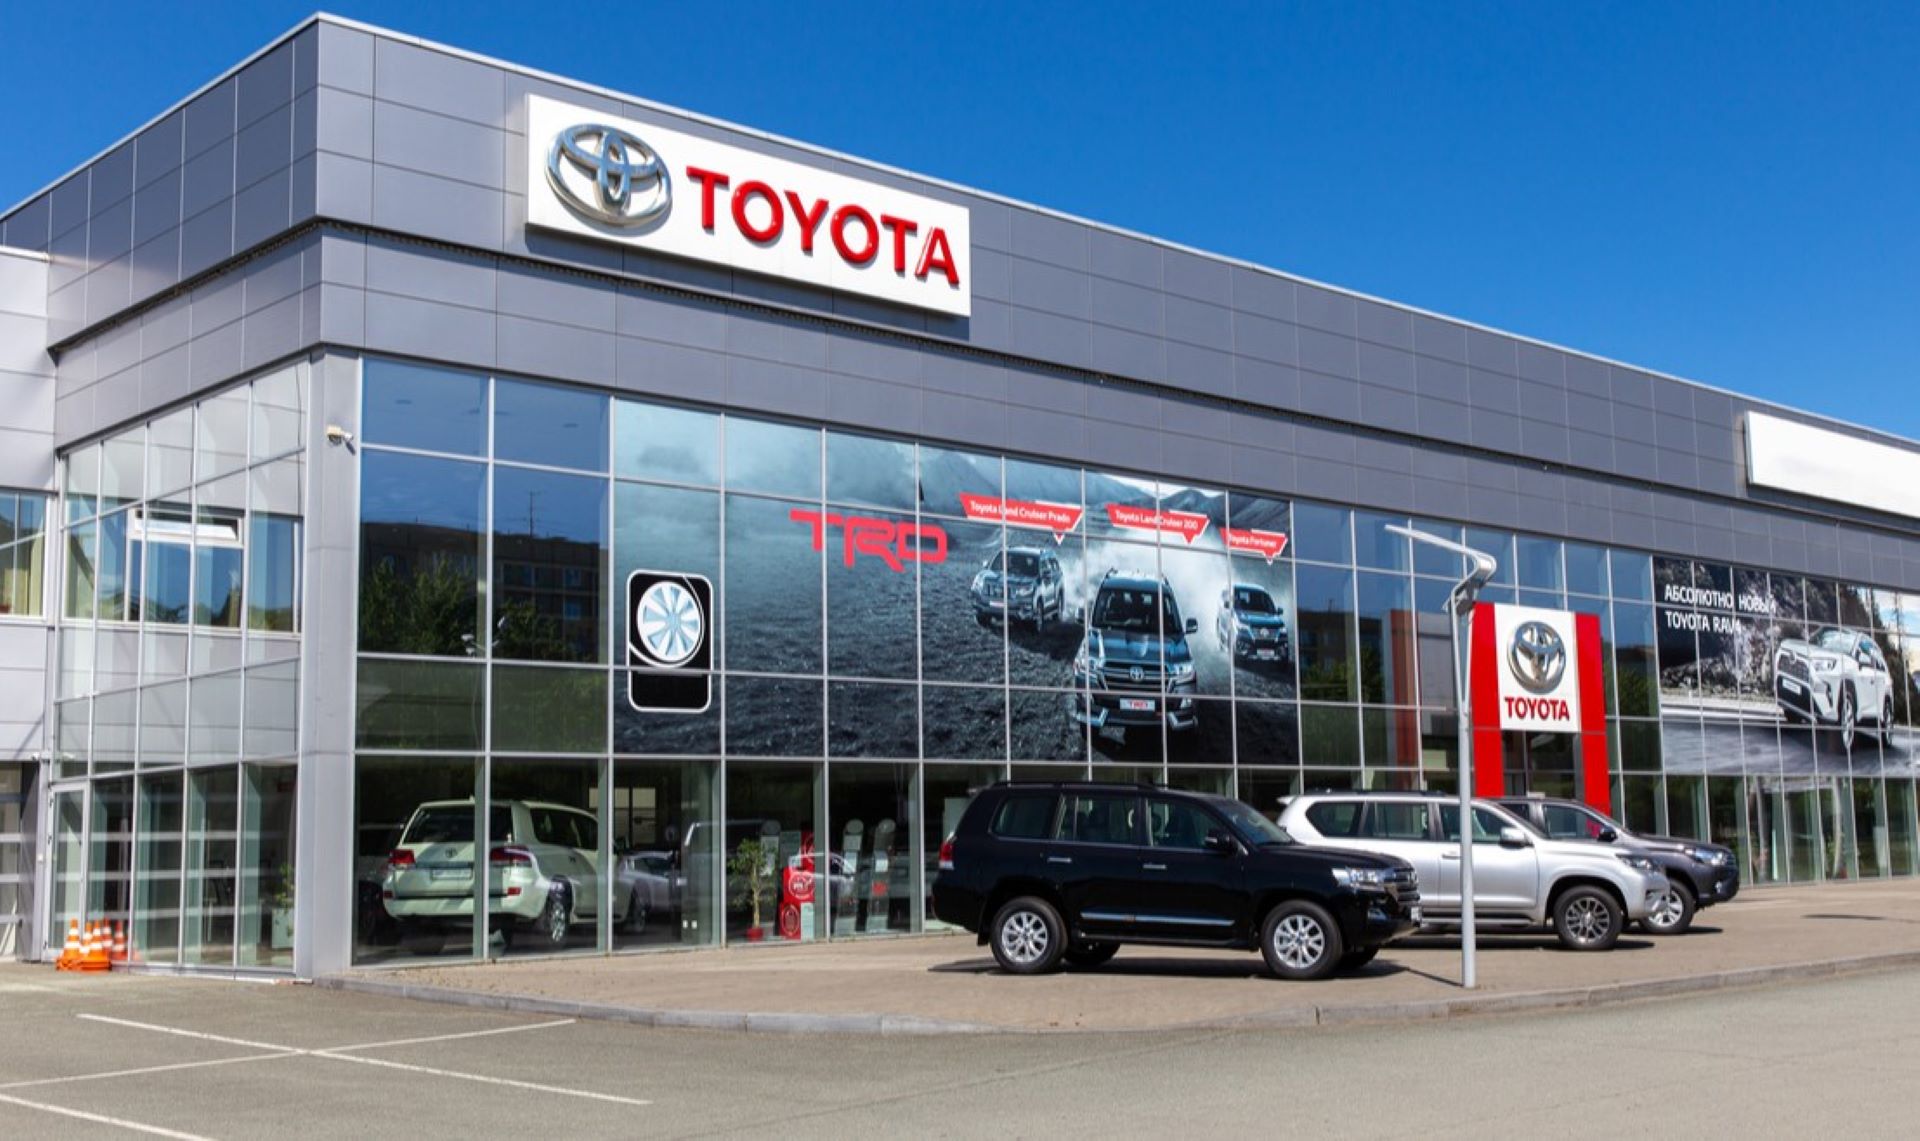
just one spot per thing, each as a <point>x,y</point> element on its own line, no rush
<point>822,800</point>
<point>483,790</point>
<point>917,919</point>
<point>717,873</point>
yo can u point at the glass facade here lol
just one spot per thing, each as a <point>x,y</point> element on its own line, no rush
<point>892,623</point>
<point>174,735</point>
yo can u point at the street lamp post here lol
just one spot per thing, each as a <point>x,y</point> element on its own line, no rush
<point>1459,606</point>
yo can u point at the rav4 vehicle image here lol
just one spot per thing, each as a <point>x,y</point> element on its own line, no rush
<point>543,872</point>
<point>1052,873</point>
<point>1134,667</point>
<point>1836,677</point>
<point>1250,626</point>
<point>1020,582</point>
<point>1698,874</point>
<point>1585,892</point>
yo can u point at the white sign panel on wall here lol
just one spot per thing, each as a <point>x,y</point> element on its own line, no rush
<point>1539,669</point>
<point>1796,457</point>
<point>613,179</point>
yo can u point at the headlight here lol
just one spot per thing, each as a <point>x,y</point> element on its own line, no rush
<point>1180,671</point>
<point>1367,879</point>
<point>1639,863</point>
<point>1023,591</point>
<point>1709,856</point>
<point>1826,665</point>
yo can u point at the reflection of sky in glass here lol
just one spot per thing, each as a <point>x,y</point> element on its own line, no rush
<point>548,504</point>
<point>655,442</point>
<point>548,424</point>
<point>416,489</point>
<point>776,458</point>
<point>432,409</point>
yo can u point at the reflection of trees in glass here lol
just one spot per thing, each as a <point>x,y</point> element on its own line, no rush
<point>521,631</point>
<point>432,610</point>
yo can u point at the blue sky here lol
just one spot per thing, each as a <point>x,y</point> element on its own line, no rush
<point>1726,192</point>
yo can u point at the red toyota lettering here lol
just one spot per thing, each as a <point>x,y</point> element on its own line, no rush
<point>899,228</point>
<point>709,181</point>
<point>841,217</point>
<point>806,218</point>
<point>894,544</point>
<point>775,222</point>
<point>935,255</point>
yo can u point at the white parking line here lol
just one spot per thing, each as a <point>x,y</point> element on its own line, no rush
<point>101,1119</point>
<point>335,1054</point>
<point>151,1070</point>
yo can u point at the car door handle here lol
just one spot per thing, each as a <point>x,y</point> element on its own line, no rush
<point>1059,859</point>
<point>1154,867</point>
<point>1449,855</point>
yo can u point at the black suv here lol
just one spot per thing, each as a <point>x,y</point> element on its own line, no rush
<point>1067,872</point>
<point>1134,667</point>
<point>1699,874</point>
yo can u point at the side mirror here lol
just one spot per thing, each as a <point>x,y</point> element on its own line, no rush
<point>1607,836</point>
<point>1511,837</point>
<point>1193,625</point>
<point>1219,843</point>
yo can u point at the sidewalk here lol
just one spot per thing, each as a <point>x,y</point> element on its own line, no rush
<point>944,983</point>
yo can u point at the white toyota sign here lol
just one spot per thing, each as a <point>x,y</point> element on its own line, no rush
<point>613,179</point>
<point>1539,668</point>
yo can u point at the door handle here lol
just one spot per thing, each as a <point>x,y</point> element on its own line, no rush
<point>1449,855</point>
<point>1154,867</point>
<point>1059,859</point>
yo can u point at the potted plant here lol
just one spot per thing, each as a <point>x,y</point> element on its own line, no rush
<point>280,910</point>
<point>750,871</point>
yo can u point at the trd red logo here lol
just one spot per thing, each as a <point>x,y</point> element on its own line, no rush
<point>895,544</point>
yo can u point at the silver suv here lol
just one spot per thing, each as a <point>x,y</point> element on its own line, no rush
<point>1586,892</point>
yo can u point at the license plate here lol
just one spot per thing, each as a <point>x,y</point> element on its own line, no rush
<point>1264,655</point>
<point>1135,705</point>
<point>1791,685</point>
<point>446,873</point>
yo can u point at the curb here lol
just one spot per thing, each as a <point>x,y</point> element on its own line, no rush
<point>1288,1018</point>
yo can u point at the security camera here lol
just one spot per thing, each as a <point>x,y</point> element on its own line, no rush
<point>339,436</point>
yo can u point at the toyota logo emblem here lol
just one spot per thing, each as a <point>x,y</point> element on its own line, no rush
<point>1137,674</point>
<point>608,175</point>
<point>1538,657</point>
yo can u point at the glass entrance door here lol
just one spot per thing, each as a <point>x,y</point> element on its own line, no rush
<point>16,858</point>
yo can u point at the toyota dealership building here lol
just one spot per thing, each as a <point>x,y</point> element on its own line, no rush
<point>449,511</point>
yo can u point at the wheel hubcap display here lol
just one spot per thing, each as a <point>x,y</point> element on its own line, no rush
<point>1666,909</point>
<point>1587,919</point>
<point>1024,936</point>
<point>1298,941</point>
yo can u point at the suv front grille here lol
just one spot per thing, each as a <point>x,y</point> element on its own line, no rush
<point>1121,677</point>
<point>1404,885</point>
<point>1793,665</point>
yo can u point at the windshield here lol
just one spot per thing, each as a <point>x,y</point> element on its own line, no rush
<point>1831,639</point>
<point>1130,608</point>
<point>1250,824</point>
<point>1252,601</point>
<point>453,824</point>
<point>1021,563</point>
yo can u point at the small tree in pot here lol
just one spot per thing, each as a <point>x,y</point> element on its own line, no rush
<point>750,872</point>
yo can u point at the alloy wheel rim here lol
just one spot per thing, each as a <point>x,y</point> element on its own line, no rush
<point>1298,941</point>
<point>1025,937</point>
<point>1666,908</point>
<point>1587,919</point>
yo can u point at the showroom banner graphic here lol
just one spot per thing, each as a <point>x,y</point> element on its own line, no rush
<point>1057,518</point>
<point>614,179</point>
<point>894,542</point>
<point>1185,524</point>
<point>1753,665</point>
<point>1269,545</point>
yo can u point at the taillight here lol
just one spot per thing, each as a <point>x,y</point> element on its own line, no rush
<point>510,857</point>
<point>400,858</point>
<point>946,854</point>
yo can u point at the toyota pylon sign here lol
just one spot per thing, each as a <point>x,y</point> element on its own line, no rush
<point>619,180</point>
<point>1539,668</point>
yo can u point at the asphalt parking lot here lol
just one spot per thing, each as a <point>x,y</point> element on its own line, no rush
<point>120,1056</point>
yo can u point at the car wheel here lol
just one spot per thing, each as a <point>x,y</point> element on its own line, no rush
<point>1085,955</point>
<point>636,920</point>
<point>1848,719</point>
<point>553,921</point>
<point>1354,960</point>
<point>1671,912</point>
<point>1586,919</point>
<point>1301,941</point>
<point>1039,615</point>
<point>983,618</point>
<point>1028,937</point>
<point>1886,718</point>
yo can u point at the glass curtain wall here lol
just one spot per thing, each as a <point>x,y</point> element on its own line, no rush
<point>746,655</point>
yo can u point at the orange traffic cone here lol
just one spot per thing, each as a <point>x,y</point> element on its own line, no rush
<point>119,942</point>
<point>70,957</point>
<point>95,958</point>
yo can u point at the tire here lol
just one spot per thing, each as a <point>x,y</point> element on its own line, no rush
<point>1886,718</point>
<point>1586,918</point>
<point>636,920</point>
<point>983,618</point>
<point>554,920</point>
<point>1849,718</point>
<point>1085,955</point>
<point>1354,960</point>
<point>1039,615</point>
<point>1672,914</point>
<point>1028,937</point>
<point>1300,941</point>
